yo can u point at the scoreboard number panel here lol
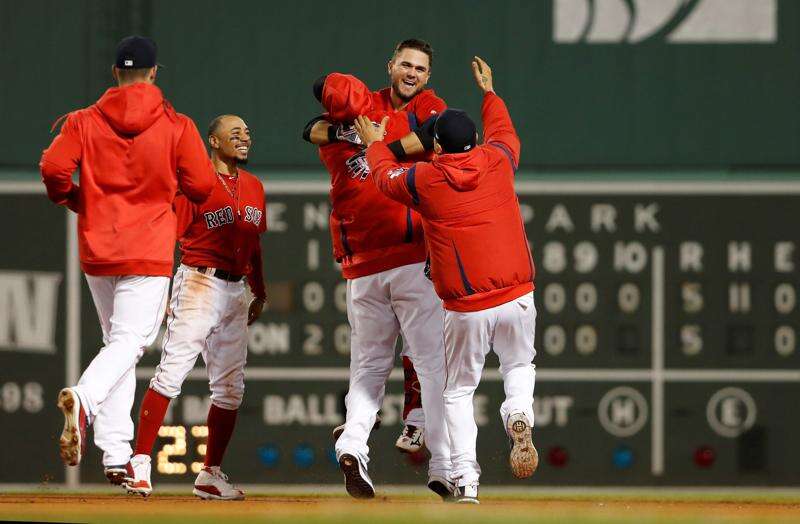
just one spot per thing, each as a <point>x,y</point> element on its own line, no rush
<point>666,344</point>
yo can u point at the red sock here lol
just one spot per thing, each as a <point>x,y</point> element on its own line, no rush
<point>220,428</point>
<point>151,416</point>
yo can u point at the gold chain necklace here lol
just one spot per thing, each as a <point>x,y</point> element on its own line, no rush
<point>235,197</point>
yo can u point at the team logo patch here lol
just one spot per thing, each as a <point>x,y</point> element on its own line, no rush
<point>396,172</point>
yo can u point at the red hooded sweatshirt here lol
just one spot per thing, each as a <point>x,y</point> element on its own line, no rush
<point>369,232</point>
<point>479,252</point>
<point>134,152</point>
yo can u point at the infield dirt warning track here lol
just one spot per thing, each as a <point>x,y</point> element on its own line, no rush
<point>393,509</point>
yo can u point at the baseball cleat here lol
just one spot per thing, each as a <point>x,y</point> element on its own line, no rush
<point>140,483</point>
<point>411,440</point>
<point>73,436</point>
<point>356,480</point>
<point>213,484</point>
<point>523,458</point>
<point>442,487</point>
<point>119,475</point>
<point>467,494</point>
<point>338,430</point>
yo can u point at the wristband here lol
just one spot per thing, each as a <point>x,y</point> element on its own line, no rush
<point>396,148</point>
<point>332,133</point>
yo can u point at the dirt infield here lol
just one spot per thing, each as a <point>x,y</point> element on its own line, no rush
<point>406,510</point>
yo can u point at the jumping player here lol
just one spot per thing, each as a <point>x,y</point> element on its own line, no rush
<point>134,152</point>
<point>209,315</point>
<point>380,246</point>
<point>407,92</point>
<point>481,267</point>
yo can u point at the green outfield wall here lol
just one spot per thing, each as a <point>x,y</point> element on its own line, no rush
<point>623,84</point>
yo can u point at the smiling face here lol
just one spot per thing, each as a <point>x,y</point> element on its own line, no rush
<point>230,139</point>
<point>409,71</point>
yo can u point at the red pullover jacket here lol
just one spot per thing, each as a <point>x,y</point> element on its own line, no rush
<point>134,152</point>
<point>479,252</point>
<point>370,233</point>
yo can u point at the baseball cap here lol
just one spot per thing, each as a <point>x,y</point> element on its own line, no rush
<point>136,52</point>
<point>455,131</point>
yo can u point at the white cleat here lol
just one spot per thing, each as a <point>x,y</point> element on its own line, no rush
<point>467,494</point>
<point>140,485</point>
<point>356,480</point>
<point>410,440</point>
<point>73,437</point>
<point>213,484</point>
<point>442,487</point>
<point>523,458</point>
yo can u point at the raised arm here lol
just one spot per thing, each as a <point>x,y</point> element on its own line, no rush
<point>59,162</point>
<point>196,177</point>
<point>497,126</point>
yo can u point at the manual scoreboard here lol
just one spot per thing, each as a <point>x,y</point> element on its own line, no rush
<point>666,345</point>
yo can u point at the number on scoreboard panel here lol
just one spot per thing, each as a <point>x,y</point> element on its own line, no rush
<point>179,448</point>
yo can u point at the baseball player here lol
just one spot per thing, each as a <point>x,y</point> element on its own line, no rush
<point>209,313</point>
<point>481,266</point>
<point>134,152</point>
<point>379,244</point>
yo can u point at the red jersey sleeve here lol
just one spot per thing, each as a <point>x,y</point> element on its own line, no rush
<point>345,97</point>
<point>59,161</point>
<point>196,177</point>
<point>498,128</point>
<point>393,180</point>
<point>428,104</point>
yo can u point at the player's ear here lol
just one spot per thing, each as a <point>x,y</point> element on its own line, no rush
<point>213,141</point>
<point>389,66</point>
<point>114,73</point>
<point>151,75</point>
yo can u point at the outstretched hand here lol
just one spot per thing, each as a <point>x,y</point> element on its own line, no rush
<point>483,74</point>
<point>368,131</point>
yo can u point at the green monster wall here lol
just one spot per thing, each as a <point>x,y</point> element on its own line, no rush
<point>610,84</point>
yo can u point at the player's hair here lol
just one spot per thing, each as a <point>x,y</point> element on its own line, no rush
<point>214,125</point>
<point>128,75</point>
<point>419,45</point>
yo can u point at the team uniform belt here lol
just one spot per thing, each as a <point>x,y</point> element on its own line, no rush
<point>219,273</point>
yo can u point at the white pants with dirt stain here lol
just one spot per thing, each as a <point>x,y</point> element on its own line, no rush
<point>208,316</point>
<point>508,329</point>
<point>130,309</point>
<point>399,301</point>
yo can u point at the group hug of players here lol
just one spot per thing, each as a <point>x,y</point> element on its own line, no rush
<point>425,223</point>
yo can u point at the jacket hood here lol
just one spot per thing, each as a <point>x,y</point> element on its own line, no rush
<point>463,171</point>
<point>345,97</point>
<point>132,109</point>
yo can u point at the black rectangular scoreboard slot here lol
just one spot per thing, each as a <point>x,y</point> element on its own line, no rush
<point>666,345</point>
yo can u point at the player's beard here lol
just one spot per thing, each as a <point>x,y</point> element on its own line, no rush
<point>401,96</point>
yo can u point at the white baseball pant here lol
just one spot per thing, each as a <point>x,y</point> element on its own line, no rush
<point>508,329</point>
<point>207,316</point>
<point>130,309</point>
<point>379,308</point>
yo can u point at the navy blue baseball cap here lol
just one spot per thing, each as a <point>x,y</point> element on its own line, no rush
<point>455,131</point>
<point>136,52</point>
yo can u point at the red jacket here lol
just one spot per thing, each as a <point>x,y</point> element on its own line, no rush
<point>213,234</point>
<point>480,257</point>
<point>134,152</point>
<point>369,232</point>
